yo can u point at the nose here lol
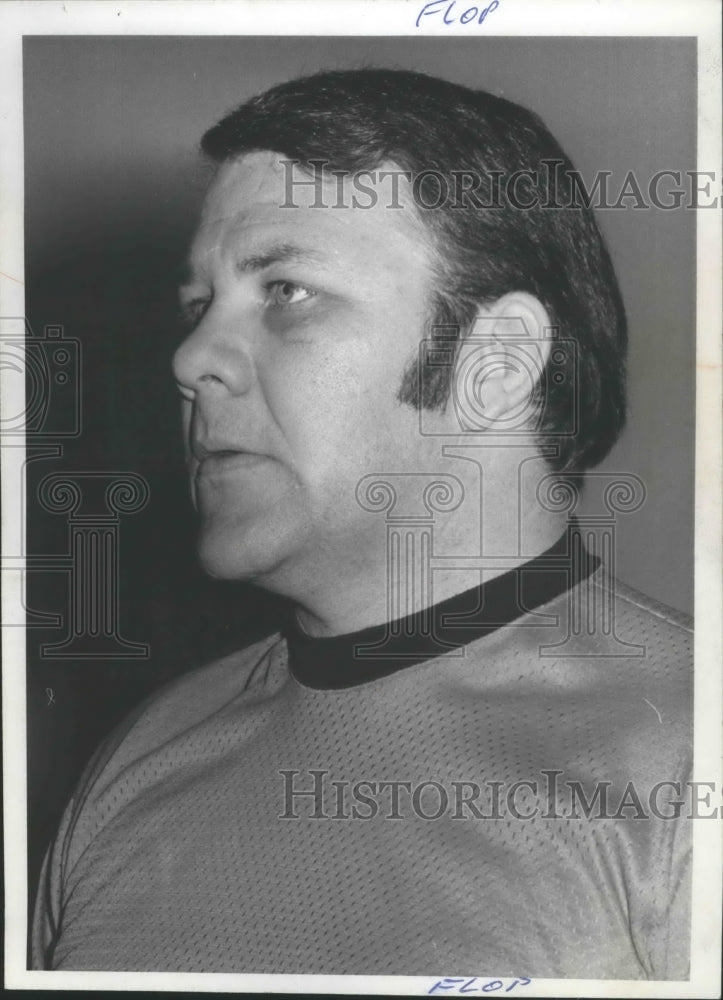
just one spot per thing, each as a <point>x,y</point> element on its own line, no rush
<point>213,356</point>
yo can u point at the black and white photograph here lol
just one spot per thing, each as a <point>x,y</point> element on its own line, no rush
<point>361,446</point>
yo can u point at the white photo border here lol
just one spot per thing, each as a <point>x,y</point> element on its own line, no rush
<point>589,18</point>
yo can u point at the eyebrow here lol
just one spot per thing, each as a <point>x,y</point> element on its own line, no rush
<point>276,254</point>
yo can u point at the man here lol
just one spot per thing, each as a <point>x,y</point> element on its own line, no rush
<point>405,345</point>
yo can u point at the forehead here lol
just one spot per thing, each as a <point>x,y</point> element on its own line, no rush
<point>258,200</point>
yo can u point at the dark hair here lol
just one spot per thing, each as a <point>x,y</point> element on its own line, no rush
<point>355,120</point>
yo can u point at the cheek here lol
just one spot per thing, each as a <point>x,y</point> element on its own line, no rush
<point>330,405</point>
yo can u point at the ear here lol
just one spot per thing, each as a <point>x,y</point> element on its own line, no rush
<point>500,363</point>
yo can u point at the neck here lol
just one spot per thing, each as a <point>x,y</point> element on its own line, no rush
<point>342,661</point>
<point>356,596</point>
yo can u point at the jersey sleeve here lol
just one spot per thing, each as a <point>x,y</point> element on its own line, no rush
<point>49,902</point>
<point>670,933</point>
<point>673,940</point>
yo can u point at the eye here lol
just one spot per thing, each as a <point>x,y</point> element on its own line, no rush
<point>287,293</point>
<point>192,312</point>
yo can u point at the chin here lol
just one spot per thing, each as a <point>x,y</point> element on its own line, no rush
<point>243,552</point>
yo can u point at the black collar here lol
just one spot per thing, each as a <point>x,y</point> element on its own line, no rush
<point>343,661</point>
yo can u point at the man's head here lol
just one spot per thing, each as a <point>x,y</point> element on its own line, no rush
<point>303,322</point>
<point>307,320</point>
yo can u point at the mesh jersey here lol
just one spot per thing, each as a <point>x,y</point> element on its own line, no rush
<point>179,851</point>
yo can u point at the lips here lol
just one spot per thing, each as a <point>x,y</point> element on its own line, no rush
<point>230,459</point>
<point>218,463</point>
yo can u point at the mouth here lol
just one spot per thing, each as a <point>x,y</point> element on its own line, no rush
<point>217,464</point>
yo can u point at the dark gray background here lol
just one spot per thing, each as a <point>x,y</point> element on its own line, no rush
<point>113,182</point>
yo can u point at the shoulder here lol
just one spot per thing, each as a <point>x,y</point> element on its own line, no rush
<point>179,723</point>
<point>633,657</point>
<point>608,620</point>
<point>601,673</point>
<point>652,617</point>
<point>651,645</point>
<point>187,702</point>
